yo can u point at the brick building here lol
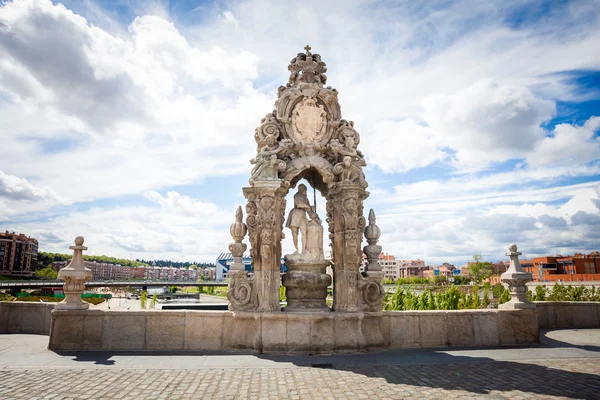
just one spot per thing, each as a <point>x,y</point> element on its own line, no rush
<point>579,267</point>
<point>18,254</point>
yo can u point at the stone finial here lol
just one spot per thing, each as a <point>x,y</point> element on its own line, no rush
<point>372,250</point>
<point>307,68</point>
<point>238,230</point>
<point>516,278</point>
<point>75,275</point>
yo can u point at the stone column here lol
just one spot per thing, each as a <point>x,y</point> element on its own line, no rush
<point>516,279</point>
<point>346,224</point>
<point>371,289</point>
<point>265,214</point>
<point>75,275</point>
<point>240,293</point>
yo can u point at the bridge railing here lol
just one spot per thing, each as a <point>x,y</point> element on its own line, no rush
<point>57,283</point>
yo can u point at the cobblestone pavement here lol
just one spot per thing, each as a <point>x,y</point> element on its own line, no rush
<point>565,365</point>
<point>496,379</point>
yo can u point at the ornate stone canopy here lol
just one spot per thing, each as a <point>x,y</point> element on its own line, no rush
<point>305,137</point>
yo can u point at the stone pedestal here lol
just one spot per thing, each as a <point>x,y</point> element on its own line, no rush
<point>306,284</point>
<point>75,275</point>
<point>516,280</point>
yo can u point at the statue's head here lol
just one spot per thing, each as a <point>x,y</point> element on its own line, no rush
<point>302,188</point>
<point>347,161</point>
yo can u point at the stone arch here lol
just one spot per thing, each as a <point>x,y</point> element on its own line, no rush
<point>316,170</point>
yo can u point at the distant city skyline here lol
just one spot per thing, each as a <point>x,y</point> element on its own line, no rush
<point>132,123</point>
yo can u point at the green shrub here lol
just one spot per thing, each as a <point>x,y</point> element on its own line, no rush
<point>143,299</point>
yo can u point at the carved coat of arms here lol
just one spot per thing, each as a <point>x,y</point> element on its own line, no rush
<point>309,121</point>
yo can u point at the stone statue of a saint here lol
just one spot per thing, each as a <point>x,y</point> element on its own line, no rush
<point>297,221</point>
<point>267,163</point>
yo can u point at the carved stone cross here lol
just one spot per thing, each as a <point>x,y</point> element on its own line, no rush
<point>307,48</point>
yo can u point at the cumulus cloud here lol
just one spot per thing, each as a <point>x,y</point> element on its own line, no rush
<point>398,146</point>
<point>487,122</point>
<point>139,107</point>
<point>568,145</point>
<point>19,189</point>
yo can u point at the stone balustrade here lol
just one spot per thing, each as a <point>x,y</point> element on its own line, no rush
<point>312,333</point>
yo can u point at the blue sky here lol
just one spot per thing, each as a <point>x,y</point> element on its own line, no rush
<point>131,122</point>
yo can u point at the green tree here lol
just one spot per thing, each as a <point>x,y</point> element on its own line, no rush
<point>479,270</point>
<point>486,297</point>
<point>154,300</point>
<point>143,299</point>
<point>46,273</point>
<point>540,293</point>
<point>504,296</point>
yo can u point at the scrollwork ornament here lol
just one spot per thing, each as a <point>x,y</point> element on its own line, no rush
<point>269,126</point>
<point>241,294</point>
<point>372,294</point>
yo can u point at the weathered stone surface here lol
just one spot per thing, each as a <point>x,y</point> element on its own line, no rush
<point>568,315</point>
<point>347,333</point>
<point>274,332</point>
<point>518,327</point>
<point>322,339</point>
<point>373,327</point>
<point>92,329</point>
<point>25,317</point>
<point>204,330</point>
<point>67,330</point>
<point>460,328</point>
<point>241,331</point>
<point>404,329</point>
<point>124,331</point>
<point>485,328</point>
<point>298,332</point>
<point>545,316</point>
<point>165,330</point>
<point>584,314</point>
<point>312,333</point>
<point>433,328</point>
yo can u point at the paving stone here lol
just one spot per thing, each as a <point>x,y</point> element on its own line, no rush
<point>548,379</point>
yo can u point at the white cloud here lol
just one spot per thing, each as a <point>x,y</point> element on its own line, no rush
<point>15,188</point>
<point>569,145</point>
<point>160,103</point>
<point>398,146</point>
<point>487,122</point>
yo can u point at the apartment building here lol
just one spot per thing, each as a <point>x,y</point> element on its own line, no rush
<point>396,269</point>
<point>18,254</point>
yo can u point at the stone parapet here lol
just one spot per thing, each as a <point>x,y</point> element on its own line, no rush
<point>25,317</point>
<point>310,333</point>
<point>568,314</point>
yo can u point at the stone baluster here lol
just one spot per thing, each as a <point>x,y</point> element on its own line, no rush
<point>516,279</point>
<point>238,230</point>
<point>372,250</point>
<point>372,292</point>
<point>240,293</point>
<point>75,275</point>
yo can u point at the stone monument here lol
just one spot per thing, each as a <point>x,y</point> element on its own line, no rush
<point>516,278</point>
<point>75,275</point>
<point>305,137</point>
